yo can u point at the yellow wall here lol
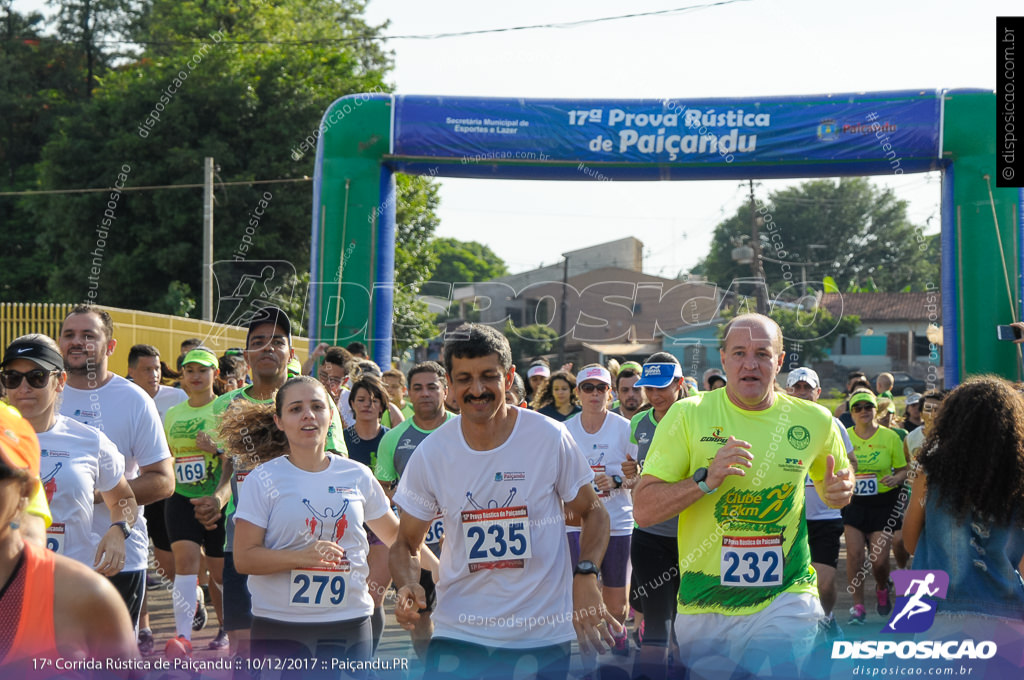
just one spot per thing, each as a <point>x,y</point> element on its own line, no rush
<point>131,327</point>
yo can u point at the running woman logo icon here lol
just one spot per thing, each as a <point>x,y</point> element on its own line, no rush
<point>915,610</point>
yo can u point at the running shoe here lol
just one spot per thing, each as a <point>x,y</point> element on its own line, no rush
<point>638,636</point>
<point>146,642</point>
<point>178,648</point>
<point>221,641</point>
<point>829,629</point>
<point>884,600</point>
<point>621,646</point>
<point>857,615</point>
<point>199,620</point>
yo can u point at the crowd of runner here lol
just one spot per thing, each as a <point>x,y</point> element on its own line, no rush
<point>683,526</point>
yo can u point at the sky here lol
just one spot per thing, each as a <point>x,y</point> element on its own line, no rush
<point>743,49</point>
<point>746,48</point>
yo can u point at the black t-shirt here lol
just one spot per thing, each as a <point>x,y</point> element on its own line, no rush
<point>363,450</point>
<point>551,411</point>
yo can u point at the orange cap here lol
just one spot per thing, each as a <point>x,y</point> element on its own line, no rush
<point>19,446</point>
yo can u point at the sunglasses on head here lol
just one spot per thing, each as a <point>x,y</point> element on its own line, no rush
<point>863,407</point>
<point>588,388</point>
<point>37,378</point>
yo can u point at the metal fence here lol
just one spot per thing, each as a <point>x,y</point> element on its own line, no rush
<point>131,327</point>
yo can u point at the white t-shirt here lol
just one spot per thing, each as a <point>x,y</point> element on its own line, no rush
<point>295,508</point>
<point>166,397</point>
<point>606,451</point>
<point>348,416</point>
<point>505,576</point>
<point>76,461</point>
<point>128,416</point>
<point>814,507</point>
<point>914,440</point>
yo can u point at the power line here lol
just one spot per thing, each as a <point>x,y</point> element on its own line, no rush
<point>430,36</point>
<point>154,187</point>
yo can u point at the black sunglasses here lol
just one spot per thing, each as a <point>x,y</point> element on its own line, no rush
<point>587,388</point>
<point>863,407</point>
<point>37,378</point>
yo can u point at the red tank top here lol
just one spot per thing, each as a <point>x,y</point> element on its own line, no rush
<point>26,608</point>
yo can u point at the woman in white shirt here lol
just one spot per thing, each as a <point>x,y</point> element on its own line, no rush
<point>299,535</point>
<point>80,467</point>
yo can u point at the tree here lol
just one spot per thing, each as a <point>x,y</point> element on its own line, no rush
<point>862,229</point>
<point>529,341</point>
<point>243,103</point>
<point>806,334</point>
<point>465,261</point>
<point>416,221</point>
<point>40,77</point>
<point>93,27</point>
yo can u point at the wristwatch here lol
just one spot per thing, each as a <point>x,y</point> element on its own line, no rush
<point>586,567</point>
<point>700,476</point>
<point>618,481</point>
<point>125,529</point>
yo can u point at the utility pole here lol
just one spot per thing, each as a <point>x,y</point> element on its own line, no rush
<point>761,286</point>
<point>208,238</point>
<point>562,310</point>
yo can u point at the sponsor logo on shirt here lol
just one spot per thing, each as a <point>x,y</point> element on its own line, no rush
<point>406,444</point>
<point>642,438</point>
<point>759,507</point>
<point>792,464</point>
<point>54,454</point>
<point>87,414</point>
<point>715,436</point>
<point>509,476</point>
<point>799,438</point>
<point>339,489</point>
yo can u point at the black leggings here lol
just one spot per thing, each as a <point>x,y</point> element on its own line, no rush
<point>655,584</point>
<point>335,640</point>
<point>131,586</point>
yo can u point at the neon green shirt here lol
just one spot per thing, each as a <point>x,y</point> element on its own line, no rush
<point>335,435</point>
<point>746,543</point>
<point>407,411</point>
<point>397,447</point>
<point>879,455</point>
<point>196,472</point>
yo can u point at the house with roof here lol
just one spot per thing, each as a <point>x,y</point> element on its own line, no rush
<point>894,332</point>
<point>612,308</point>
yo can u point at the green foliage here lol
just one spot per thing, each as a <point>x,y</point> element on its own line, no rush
<point>40,77</point>
<point>868,240</point>
<point>465,261</point>
<point>178,300</point>
<point>529,341</point>
<point>413,324</point>
<point>806,334</point>
<point>244,105</point>
<point>415,223</point>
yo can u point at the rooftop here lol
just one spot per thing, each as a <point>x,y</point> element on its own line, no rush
<point>924,306</point>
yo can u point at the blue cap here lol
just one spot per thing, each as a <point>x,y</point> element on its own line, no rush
<point>659,375</point>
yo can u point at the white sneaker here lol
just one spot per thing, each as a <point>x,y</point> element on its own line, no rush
<point>199,620</point>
